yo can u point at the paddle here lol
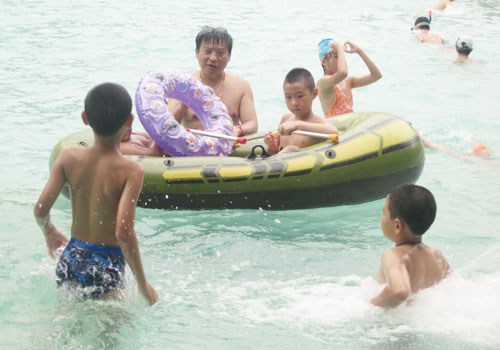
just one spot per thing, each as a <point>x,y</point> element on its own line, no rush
<point>241,140</point>
<point>331,137</point>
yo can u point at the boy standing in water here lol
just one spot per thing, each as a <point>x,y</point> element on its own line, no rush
<point>334,87</point>
<point>409,211</point>
<point>299,96</point>
<point>104,189</point>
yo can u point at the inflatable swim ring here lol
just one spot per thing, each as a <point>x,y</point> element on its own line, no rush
<point>151,103</point>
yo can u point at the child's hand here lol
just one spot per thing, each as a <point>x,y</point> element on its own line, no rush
<point>272,142</point>
<point>287,128</point>
<point>54,239</point>
<point>351,47</point>
<point>150,294</point>
<point>336,46</point>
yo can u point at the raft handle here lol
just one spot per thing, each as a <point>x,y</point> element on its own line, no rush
<point>254,155</point>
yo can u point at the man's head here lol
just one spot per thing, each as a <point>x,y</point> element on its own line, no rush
<point>464,45</point>
<point>422,23</point>
<point>300,91</point>
<point>213,49</point>
<point>414,205</point>
<point>216,36</point>
<point>107,107</point>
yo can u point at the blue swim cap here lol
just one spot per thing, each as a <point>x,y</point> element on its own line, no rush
<point>324,48</point>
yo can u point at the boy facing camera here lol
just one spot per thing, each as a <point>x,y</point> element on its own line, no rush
<point>300,93</point>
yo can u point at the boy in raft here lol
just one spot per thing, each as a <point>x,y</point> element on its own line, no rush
<point>139,143</point>
<point>104,187</point>
<point>409,211</point>
<point>300,93</point>
<point>422,30</point>
<point>334,87</point>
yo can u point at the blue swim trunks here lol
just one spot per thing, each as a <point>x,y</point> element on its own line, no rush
<point>93,269</point>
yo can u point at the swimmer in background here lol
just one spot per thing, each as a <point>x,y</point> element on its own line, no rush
<point>479,150</point>
<point>300,93</point>
<point>422,31</point>
<point>410,265</point>
<point>464,47</point>
<point>442,4</point>
<point>334,87</point>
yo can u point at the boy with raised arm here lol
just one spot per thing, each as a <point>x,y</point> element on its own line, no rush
<point>410,265</point>
<point>104,189</point>
<point>300,93</point>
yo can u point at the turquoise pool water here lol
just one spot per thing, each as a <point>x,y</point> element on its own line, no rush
<point>248,279</point>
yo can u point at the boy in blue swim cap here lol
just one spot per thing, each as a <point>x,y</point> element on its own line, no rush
<point>334,87</point>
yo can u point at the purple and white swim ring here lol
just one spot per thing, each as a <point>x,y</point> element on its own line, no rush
<point>151,103</point>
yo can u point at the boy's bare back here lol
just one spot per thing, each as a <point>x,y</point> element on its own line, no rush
<point>424,265</point>
<point>101,180</point>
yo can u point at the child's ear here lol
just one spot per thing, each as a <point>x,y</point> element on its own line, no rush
<point>84,118</point>
<point>315,92</point>
<point>398,225</point>
<point>130,120</point>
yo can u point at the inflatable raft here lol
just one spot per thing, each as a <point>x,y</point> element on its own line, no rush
<point>375,153</point>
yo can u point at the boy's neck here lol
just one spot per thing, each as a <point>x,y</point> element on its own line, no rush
<point>408,238</point>
<point>107,142</point>
<point>305,117</point>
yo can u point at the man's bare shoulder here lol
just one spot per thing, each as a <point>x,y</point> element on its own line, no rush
<point>237,81</point>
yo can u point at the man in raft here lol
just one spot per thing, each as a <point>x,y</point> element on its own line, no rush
<point>213,51</point>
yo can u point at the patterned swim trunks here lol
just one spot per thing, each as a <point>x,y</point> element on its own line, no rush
<point>94,270</point>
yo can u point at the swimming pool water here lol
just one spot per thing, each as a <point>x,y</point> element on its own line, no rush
<point>247,279</point>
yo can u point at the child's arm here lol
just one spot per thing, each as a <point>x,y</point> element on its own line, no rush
<point>320,125</point>
<point>328,81</point>
<point>53,237</point>
<point>125,233</point>
<point>398,281</point>
<point>374,71</point>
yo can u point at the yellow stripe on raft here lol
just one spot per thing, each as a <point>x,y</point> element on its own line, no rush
<point>301,163</point>
<point>183,174</point>
<point>235,171</point>
<point>354,148</point>
<point>396,133</point>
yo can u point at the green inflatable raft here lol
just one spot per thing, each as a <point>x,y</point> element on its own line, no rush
<point>375,153</point>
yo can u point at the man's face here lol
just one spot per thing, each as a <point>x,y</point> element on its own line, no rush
<point>213,57</point>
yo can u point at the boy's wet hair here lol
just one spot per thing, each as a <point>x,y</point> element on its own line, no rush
<point>302,75</point>
<point>217,35</point>
<point>415,205</point>
<point>424,23</point>
<point>107,107</point>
